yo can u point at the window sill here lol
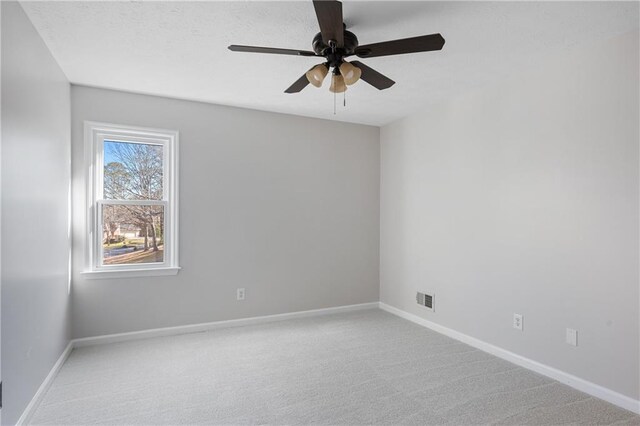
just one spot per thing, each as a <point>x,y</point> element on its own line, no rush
<point>130,273</point>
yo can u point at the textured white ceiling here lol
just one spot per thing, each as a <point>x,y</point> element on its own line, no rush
<point>179,49</point>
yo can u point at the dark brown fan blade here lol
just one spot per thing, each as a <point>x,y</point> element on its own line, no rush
<point>329,13</point>
<point>300,84</point>
<point>257,49</point>
<point>424,43</point>
<point>373,77</point>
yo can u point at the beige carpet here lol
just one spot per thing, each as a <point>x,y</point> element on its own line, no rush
<point>366,367</point>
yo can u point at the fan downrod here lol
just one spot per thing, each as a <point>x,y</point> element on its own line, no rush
<point>335,55</point>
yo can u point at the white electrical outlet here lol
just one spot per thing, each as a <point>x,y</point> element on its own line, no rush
<point>572,337</point>
<point>240,294</point>
<point>517,321</point>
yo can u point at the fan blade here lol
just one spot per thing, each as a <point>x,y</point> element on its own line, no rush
<point>300,84</point>
<point>257,49</point>
<point>424,43</point>
<point>373,77</point>
<point>329,13</point>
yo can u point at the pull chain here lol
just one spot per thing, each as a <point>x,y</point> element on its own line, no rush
<point>334,103</point>
<point>344,98</point>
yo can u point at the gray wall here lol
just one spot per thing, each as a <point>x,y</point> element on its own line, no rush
<point>286,207</point>
<point>523,197</point>
<point>35,199</point>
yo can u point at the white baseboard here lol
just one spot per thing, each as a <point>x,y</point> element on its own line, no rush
<point>35,401</point>
<point>585,386</point>
<point>196,328</point>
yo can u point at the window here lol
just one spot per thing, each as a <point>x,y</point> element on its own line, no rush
<point>132,212</point>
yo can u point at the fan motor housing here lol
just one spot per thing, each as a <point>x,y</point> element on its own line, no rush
<point>323,49</point>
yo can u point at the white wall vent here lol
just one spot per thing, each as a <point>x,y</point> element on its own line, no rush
<point>425,299</point>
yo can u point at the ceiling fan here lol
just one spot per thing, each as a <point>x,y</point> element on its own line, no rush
<point>335,43</point>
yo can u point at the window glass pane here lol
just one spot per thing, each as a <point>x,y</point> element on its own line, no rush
<point>132,171</point>
<point>132,234</point>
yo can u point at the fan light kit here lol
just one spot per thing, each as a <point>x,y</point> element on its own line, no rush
<point>334,43</point>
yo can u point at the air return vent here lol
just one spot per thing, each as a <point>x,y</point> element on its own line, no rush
<point>425,300</point>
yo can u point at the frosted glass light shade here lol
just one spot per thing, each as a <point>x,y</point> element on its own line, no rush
<point>337,84</point>
<point>317,74</point>
<point>350,72</point>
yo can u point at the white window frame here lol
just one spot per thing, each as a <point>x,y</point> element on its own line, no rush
<point>94,136</point>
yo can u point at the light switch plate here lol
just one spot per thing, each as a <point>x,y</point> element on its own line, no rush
<point>572,337</point>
